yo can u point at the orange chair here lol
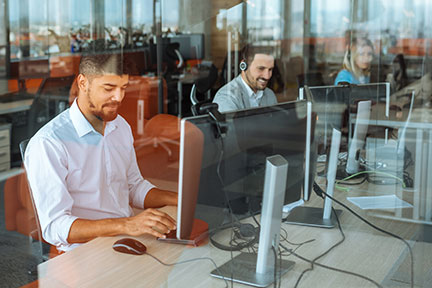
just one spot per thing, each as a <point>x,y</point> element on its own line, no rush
<point>20,217</point>
<point>19,213</point>
<point>161,130</point>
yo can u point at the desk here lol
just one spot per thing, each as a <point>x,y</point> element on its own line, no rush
<point>15,106</point>
<point>96,264</point>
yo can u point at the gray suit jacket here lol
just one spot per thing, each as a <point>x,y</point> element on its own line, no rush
<point>234,96</point>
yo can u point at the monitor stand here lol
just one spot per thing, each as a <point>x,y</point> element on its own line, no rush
<point>311,216</point>
<point>321,217</point>
<point>259,269</point>
<point>242,269</point>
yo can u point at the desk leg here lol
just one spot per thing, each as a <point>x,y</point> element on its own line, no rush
<point>428,214</point>
<point>180,97</point>
<point>418,173</point>
<point>424,180</point>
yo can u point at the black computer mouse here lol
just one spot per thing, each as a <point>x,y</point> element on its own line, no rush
<point>129,246</point>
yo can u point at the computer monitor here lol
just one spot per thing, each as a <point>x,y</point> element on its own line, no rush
<point>376,92</point>
<point>315,216</point>
<point>259,269</point>
<point>336,107</point>
<point>190,230</point>
<point>359,137</point>
<point>330,103</point>
<point>216,171</point>
<point>191,45</point>
<point>233,164</point>
<point>336,98</point>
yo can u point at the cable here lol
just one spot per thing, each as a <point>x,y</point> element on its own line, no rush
<point>376,228</point>
<point>275,267</point>
<point>234,240</point>
<point>352,183</point>
<point>374,172</point>
<point>325,253</point>
<point>188,261</point>
<point>368,172</point>
<point>280,266</point>
<point>225,194</point>
<point>285,238</point>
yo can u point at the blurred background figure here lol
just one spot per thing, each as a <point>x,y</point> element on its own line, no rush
<point>357,62</point>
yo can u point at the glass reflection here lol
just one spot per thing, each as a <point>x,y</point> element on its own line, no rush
<point>184,52</point>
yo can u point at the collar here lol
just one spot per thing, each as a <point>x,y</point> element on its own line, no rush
<point>257,96</point>
<point>82,125</point>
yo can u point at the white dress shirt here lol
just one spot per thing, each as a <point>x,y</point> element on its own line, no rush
<point>254,98</point>
<point>75,172</point>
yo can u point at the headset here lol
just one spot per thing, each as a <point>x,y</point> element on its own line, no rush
<point>246,232</point>
<point>243,65</point>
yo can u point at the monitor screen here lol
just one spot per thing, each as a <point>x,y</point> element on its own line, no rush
<point>331,105</point>
<point>376,92</point>
<point>233,164</point>
<point>337,107</point>
<point>191,45</point>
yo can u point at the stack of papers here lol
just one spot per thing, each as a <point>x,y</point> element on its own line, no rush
<point>379,202</point>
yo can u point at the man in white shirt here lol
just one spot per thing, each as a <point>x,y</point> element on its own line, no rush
<point>249,89</point>
<point>82,166</point>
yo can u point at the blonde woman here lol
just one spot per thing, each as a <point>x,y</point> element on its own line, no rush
<point>357,63</point>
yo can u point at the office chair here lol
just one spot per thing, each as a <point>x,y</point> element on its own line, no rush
<point>203,85</point>
<point>161,130</point>
<point>46,251</point>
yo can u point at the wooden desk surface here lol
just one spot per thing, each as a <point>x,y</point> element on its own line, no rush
<point>15,106</point>
<point>96,264</point>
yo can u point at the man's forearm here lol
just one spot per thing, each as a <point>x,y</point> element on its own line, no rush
<point>158,198</point>
<point>150,221</point>
<point>83,230</point>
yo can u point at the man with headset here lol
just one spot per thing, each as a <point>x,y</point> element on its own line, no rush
<point>249,89</point>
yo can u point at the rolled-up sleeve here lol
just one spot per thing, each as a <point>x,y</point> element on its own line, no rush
<point>46,167</point>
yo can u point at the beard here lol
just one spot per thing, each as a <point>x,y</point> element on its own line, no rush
<point>102,114</point>
<point>255,84</point>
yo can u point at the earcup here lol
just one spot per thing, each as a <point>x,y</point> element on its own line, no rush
<point>243,66</point>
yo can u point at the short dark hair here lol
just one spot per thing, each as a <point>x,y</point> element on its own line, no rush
<point>249,51</point>
<point>100,64</point>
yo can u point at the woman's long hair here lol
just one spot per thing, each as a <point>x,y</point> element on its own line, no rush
<point>352,53</point>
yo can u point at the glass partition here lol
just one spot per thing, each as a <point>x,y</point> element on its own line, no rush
<point>184,55</point>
